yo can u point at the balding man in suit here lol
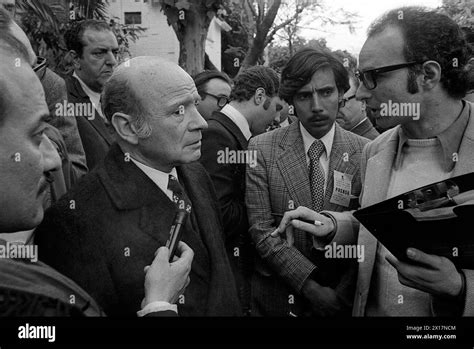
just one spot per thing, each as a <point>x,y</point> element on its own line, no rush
<point>122,211</point>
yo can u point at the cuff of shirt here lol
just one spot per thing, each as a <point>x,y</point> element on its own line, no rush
<point>157,306</point>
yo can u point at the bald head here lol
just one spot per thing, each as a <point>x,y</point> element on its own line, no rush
<point>153,84</point>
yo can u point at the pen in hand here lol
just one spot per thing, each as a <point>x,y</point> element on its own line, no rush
<point>316,223</point>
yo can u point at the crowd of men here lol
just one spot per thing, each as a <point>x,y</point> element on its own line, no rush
<point>94,167</point>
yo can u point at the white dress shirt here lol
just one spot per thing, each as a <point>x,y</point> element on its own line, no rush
<point>158,177</point>
<point>327,140</point>
<point>238,119</point>
<point>93,96</point>
<point>161,179</point>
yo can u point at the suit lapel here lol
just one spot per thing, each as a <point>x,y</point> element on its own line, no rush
<point>341,160</point>
<point>99,124</point>
<point>378,172</point>
<point>231,127</point>
<point>97,121</point>
<point>293,167</point>
<point>131,189</point>
<point>377,179</point>
<point>209,225</point>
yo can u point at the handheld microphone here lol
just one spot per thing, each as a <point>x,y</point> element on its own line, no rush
<point>176,232</point>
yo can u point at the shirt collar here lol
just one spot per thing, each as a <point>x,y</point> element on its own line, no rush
<point>93,96</point>
<point>327,139</point>
<point>359,123</point>
<point>450,140</point>
<point>238,119</point>
<point>158,177</point>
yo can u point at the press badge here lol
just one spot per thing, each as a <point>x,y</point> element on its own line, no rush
<point>342,189</point>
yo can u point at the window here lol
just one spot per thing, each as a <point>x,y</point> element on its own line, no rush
<point>133,18</point>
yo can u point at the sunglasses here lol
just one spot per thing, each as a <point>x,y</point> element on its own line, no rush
<point>221,100</point>
<point>40,67</point>
<point>369,77</point>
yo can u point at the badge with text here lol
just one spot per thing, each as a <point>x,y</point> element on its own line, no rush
<point>342,189</point>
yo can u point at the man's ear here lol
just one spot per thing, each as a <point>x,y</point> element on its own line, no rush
<point>124,127</point>
<point>431,72</point>
<point>259,96</point>
<point>75,59</point>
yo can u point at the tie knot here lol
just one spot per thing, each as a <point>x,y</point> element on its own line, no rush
<point>316,149</point>
<point>174,185</point>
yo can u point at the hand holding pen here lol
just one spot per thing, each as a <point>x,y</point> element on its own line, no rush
<point>305,219</point>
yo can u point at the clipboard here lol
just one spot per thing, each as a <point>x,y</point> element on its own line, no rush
<point>437,219</point>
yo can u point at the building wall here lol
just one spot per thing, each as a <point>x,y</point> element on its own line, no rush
<point>159,39</point>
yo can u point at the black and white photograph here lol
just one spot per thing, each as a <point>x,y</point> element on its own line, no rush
<point>236,171</point>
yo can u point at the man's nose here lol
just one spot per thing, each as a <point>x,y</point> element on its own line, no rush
<point>111,59</point>
<point>362,93</point>
<point>51,159</point>
<point>198,121</point>
<point>316,103</point>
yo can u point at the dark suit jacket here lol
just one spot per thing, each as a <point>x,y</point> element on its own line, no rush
<point>281,180</point>
<point>366,129</point>
<point>229,181</point>
<point>95,135</point>
<point>56,92</point>
<point>107,229</point>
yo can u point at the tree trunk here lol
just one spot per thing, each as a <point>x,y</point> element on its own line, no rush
<point>192,40</point>
<point>260,40</point>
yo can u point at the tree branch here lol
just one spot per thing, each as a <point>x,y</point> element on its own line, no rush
<point>282,25</point>
<point>252,9</point>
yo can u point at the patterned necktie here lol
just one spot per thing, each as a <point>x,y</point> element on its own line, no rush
<point>180,198</point>
<point>316,175</point>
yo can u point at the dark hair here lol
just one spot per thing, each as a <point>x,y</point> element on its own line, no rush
<point>301,67</point>
<point>250,79</point>
<point>430,36</point>
<point>201,79</point>
<point>74,35</point>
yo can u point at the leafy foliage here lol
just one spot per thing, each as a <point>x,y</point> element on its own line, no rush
<point>279,55</point>
<point>461,11</point>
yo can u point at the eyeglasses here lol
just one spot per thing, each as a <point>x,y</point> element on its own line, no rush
<point>369,77</point>
<point>40,67</point>
<point>347,99</point>
<point>221,100</point>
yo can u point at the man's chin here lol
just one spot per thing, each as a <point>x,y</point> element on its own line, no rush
<point>191,157</point>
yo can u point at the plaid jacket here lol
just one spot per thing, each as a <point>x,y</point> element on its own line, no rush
<point>279,182</point>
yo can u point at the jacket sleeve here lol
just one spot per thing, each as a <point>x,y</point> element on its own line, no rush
<point>288,262</point>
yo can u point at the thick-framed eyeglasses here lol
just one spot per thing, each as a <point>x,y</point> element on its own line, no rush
<point>369,77</point>
<point>40,67</point>
<point>221,100</point>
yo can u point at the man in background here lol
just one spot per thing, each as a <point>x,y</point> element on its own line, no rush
<point>214,88</point>
<point>352,114</point>
<point>254,105</point>
<point>93,48</point>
